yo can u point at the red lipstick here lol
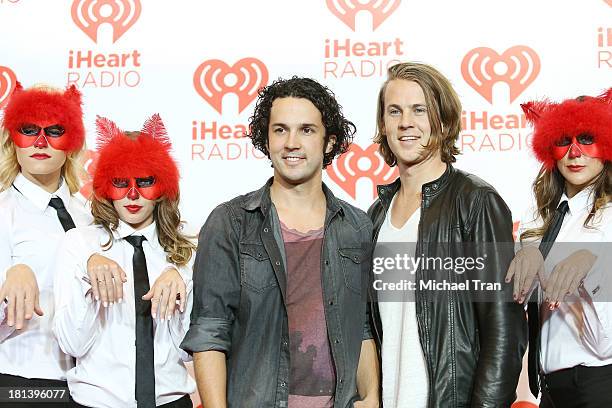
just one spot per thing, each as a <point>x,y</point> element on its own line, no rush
<point>575,168</point>
<point>133,208</point>
<point>40,156</point>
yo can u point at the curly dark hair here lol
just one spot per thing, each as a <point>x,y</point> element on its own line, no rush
<point>321,97</point>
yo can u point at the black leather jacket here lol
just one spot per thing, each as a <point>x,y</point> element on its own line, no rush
<point>239,288</point>
<point>473,350</point>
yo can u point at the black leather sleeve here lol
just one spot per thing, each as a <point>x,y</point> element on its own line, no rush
<point>502,325</point>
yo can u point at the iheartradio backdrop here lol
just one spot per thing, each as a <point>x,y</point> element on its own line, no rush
<point>199,64</point>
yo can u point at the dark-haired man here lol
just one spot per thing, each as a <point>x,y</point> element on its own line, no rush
<point>279,319</point>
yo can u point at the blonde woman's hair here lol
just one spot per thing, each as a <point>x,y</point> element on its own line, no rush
<point>72,170</point>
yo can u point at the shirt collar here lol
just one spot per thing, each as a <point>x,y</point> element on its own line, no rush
<point>261,199</point>
<point>580,201</point>
<point>37,195</point>
<point>149,232</point>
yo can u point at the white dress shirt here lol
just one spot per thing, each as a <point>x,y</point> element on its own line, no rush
<point>30,232</point>
<point>102,339</point>
<point>565,342</point>
<point>404,372</point>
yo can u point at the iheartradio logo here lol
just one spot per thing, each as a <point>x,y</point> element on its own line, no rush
<point>8,81</point>
<point>90,159</point>
<point>483,67</point>
<point>347,10</point>
<point>89,15</point>
<point>357,163</point>
<point>213,79</point>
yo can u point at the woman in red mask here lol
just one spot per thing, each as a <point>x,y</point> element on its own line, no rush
<point>125,354</point>
<point>42,138</point>
<point>570,319</point>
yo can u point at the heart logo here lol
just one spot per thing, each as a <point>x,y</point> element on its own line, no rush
<point>90,160</point>
<point>483,67</point>
<point>89,15</point>
<point>8,82</point>
<point>357,163</point>
<point>213,79</point>
<point>346,10</point>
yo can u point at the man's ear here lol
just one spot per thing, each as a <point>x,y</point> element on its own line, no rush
<point>331,142</point>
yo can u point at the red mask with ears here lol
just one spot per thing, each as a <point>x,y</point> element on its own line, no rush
<point>39,117</point>
<point>580,126</point>
<point>135,166</point>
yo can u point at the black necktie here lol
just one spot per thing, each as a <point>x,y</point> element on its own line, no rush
<point>62,213</point>
<point>145,369</point>
<point>533,307</point>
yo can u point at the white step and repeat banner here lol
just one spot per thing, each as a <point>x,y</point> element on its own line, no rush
<point>199,64</point>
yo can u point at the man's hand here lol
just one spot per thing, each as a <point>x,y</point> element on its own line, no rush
<point>20,289</point>
<point>526,265</point>
<point>366,403</point>
<point>106,279</point>
<point>567,276</point>
<point>163,294</point>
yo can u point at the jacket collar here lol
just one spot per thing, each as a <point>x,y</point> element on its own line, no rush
<point>428,190</point>
<point>260,199</point>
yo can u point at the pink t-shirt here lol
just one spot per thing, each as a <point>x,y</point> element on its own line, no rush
<point>312,378</point>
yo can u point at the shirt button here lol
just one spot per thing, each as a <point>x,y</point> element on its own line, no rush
<point>326,262</point>
<point>341,381</point>
<point>285,343</point>
<point>337,341</point>
<point>277,263</point>
<point>265,230</point>
<point>283,384</point>
<point>331,302</point>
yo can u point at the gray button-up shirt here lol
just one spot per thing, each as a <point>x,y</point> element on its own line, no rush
<point>239,305</point>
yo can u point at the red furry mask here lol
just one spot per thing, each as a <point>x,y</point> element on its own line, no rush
<point>133,167</point>
<point>39,117</point>
<point>584,123</point>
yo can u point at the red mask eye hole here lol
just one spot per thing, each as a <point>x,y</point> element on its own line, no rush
<point>121,182</point>
<point>54,131</point>
<point>585,139</point>
<point>29,130</point>
<point>564,141</point>
<point>143,182</point>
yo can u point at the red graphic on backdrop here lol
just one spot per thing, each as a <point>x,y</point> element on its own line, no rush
<point>524,404</point>
<point>90,160</point>
<point>346,10</point>
<point>349,168</point>
<point>8,81</point>
<point>213,79</point>
<point>483,67</point>
<point>89,15</point>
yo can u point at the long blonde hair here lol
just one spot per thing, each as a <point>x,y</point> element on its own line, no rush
<point>178,246</point>
<point>72,170</point>
<point>548,188</point>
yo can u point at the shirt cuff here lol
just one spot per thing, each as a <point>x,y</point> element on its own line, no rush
<point>208,333</point>
<point>5,329</point>
<point>594,283</point>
